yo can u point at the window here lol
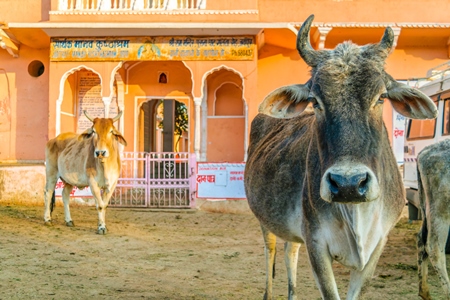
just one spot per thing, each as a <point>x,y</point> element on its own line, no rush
<point>446,119</point>
<point>421,129</point>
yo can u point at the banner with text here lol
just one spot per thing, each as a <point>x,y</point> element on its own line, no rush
<point>220,180</point>
<point>152,48</point>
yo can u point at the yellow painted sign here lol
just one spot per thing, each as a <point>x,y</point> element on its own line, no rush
<point>152,48</point>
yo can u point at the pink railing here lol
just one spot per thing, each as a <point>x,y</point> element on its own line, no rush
<point>156,179</point>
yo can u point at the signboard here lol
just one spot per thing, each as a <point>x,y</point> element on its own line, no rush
<point>90,99</point>
<point>152,48</point>
<point>398,137</point>
<point>76,192</point>
<point>220,180</point>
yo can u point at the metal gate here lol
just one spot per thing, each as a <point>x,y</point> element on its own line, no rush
<point>156,180</point>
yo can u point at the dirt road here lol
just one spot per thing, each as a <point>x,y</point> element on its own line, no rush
<point>167,255</point>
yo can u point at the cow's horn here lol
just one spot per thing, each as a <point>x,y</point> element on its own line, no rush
<point>306,51</point>
<point>87,116</point>
<point>118,116</point>
<point>387,41</point>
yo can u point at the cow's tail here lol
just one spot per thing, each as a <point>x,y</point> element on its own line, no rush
<point>423,233</point>
<point>274,262</point>
<point>422,237</point>
<point>52,203</point>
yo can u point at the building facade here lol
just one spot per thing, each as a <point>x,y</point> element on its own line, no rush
<point>187,74</point>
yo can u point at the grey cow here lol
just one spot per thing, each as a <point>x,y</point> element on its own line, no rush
<point>433,172</point>
<point>328,178</point>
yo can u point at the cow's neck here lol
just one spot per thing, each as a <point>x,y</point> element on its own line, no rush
<point>364,226</point>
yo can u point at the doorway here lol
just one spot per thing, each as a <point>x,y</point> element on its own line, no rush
<point>164,126</point>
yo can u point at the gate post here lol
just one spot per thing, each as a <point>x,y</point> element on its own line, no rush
<point>192,179</point>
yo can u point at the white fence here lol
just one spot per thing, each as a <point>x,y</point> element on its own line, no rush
<point>129,5</point>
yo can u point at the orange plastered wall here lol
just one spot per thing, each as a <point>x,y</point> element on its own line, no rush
<point>28,105</point>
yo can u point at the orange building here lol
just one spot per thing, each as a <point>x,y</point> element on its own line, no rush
<point>188,74</point>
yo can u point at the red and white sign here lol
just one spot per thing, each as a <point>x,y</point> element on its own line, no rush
<point>398,134</point>
<point>76,192</point>
<point>220,180</point>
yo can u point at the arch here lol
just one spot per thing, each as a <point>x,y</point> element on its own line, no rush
<point>61,93</point>
<point>218,88</point>
<point>128,69</point>
<point>203,144</point>
<point>113,78</point>
<point>192,77</point>
<point>222,67</point>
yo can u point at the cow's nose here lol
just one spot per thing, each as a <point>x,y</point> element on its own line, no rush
<point>352,188</point>
<point>100,153</point>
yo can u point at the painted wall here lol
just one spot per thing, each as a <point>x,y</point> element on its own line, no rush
<point>26,99</point>
<point>354,10</point>
<point>24,10</point>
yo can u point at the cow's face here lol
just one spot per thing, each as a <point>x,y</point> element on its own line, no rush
<point>104,135</point>
<point>347,89</point>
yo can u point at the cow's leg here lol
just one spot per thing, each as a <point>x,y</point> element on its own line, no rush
<point>102,205</point>
<point>96,192</point>
<point>270,251</point>
<point>291,258</point>
<point>359,279</point>
<point>438,232</point>
<point>51,179</point>
<point>47,202</point>
<point>66,200</point>
<point>321,264</point>
<point>422,261</point>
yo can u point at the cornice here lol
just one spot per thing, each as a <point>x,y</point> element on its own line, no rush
<point>157,12</point>
<point>377,25</point>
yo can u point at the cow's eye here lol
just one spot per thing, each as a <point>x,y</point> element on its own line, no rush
<point>314,102</point>
<point>382,98</point>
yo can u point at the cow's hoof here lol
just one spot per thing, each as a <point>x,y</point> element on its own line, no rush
<point>101,231</point>
<point>425,295</point>
<point>48,223</point>
<point>70,224</point>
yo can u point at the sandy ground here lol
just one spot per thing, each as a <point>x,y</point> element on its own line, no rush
<point>169,255</point>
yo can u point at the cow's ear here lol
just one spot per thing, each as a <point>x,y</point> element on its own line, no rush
<point>411,102</point>
<point>86,134</point>
<point>119,137</point>
<point>286,102</point>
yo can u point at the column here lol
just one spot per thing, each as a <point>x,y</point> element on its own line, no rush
<point>107,103</point>
<point>197,103</point>
<point>320,36</point>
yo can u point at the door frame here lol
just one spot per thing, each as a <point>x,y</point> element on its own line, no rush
<point>139,100</point>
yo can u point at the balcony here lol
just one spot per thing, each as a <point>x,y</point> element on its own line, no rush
<point>126,6</point>
<point>127,13</point>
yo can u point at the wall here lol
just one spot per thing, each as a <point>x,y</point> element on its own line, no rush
<point>28,100</point>
<point>354,10</point>
<point>22,184</point>
<point>24,10</point>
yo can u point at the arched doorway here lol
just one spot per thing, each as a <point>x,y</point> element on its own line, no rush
<point>164,126</point>
<point>82,92</point>
<point>157,167</point>
<point>225,112</point>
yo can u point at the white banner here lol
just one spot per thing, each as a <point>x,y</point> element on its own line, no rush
<point>398,136</point>
<point>220,180</point>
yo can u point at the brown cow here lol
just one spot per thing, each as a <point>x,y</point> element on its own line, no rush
<point>329,178</point>
<point>89,159</point>
<point>433,174</point>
